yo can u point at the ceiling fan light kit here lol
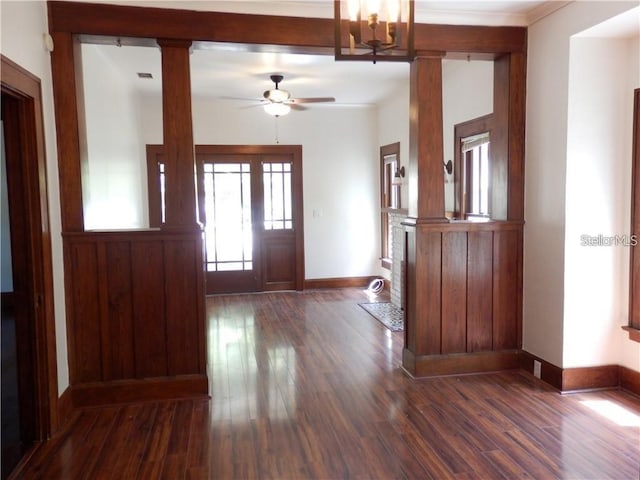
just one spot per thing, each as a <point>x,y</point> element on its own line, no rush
<point>277,109</point>
<point>278,102</point>
<point>377,30</point>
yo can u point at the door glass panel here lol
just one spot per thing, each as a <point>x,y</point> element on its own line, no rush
<point>228,232</point>
<point>278,211</point>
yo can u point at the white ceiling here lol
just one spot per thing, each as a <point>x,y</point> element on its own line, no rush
<point>218,72</point>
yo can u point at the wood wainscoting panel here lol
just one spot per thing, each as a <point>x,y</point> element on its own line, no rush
<point>184,307</point>
<point>118,337</point>
<point>428,300</point>
<point>466,296</point>
<point>505,289</point>
<point>136,310</point>
<point>454,292</point>
<point>84,333</point>
<point>149,323</point>
<point>479,291</point>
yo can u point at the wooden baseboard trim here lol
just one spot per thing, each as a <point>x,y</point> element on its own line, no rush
<point>129,391</point>
<point>583,378</point>
<point>589,378</point>
<point>459,363</point>
<point>629,380</point>
<point>549,372</point>
<point>342,282</point>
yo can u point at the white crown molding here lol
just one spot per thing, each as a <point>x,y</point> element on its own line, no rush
<point>543,10</point>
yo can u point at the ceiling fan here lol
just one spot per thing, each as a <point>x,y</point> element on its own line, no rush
<point>278,102</point>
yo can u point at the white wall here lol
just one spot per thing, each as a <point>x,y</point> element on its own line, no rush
<point>599,140</point>
<point>467,93</point>
<point>546,174</point>
<point>393,126</point>
<point>113,195</point>
<point>23,24</point>
<point>340,172</point>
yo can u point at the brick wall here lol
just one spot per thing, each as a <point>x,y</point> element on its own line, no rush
<point>397,263</point>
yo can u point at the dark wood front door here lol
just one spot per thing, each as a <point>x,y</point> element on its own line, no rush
<point>250,203</point>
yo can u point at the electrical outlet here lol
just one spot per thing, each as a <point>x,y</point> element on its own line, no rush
<point>537,367</point>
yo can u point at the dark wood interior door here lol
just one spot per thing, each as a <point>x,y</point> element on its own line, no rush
<point>250,203</point>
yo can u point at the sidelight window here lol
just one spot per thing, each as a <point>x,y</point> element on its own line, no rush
<point>278,214</point>
<point>228,232</point>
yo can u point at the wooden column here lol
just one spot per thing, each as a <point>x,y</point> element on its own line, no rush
<point>464,280</point>
<point>507,138</point>
<point>66,71</point>
<point>179,155</point>
<point>426,174</point>
<point>426,206</point>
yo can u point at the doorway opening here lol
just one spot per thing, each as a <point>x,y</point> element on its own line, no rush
<point>29,378</point>
<point>250,203</point>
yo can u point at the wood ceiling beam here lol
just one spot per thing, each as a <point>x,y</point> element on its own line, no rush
<point>296,34</point>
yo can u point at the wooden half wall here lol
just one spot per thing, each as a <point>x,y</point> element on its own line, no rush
<point>468,315</point>
<point>135,304</point>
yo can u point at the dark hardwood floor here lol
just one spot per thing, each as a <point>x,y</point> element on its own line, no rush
<point>308,385</point>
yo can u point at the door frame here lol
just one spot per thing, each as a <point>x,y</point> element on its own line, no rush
<point>155,152</point>
<point>26,168</point>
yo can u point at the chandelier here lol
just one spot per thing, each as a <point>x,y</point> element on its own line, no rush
<point>378,30</point>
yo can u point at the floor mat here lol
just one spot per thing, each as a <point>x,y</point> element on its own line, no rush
<point>386,313</point>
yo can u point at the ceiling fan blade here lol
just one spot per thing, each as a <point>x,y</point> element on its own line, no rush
<point>251,106</point>
<point>313,100</point>
<point>249,99</point>
<point>295,106</point>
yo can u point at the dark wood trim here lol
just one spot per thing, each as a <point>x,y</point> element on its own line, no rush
<point>549,372</point>
<point>179,156</point>
<point>295,34</point>
<point>65,405</point>
<point>6,299</point>
<point>634,333</point>
<point>154,154</point>
<point>385,201</point>
<point>587,378</point>
<point>426,201</point>
<point>583,378</point>
<point>32,201</point>
<point>341,282</point>
<point>629,380</point>
<point>127,391</point>
<point>634,261</point>
<point>462,130</point>
<point>459,363</point>
<point>469,39</point>
<point>66,71</point>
